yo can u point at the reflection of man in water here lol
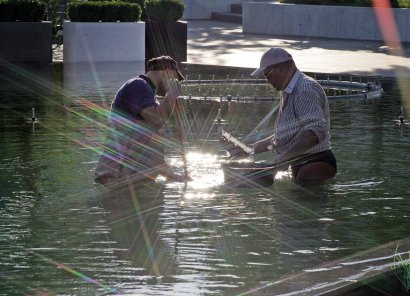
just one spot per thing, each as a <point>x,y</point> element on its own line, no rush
<point>135,143</point>
<point>133,219</point>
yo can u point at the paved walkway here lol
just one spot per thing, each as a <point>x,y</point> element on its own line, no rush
<point>223,43</point>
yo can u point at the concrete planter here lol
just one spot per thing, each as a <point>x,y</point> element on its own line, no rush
<point>104,42</point>
<point>343,22</point>
<point>166,38</point>
<point>26,42</point>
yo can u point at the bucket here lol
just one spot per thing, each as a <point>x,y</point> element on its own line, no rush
<point>248,174</point>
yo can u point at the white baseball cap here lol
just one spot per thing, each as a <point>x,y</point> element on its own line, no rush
<point>273,56</point>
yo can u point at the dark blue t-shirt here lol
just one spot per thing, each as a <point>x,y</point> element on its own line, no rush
<point>131,148</point>
<point>135,95</point>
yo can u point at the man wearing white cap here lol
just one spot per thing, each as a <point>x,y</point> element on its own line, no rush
<point>301,135</point>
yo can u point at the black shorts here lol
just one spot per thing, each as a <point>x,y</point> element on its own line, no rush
<point>324,156</point>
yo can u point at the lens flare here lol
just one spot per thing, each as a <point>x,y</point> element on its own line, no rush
<point>387,24</point>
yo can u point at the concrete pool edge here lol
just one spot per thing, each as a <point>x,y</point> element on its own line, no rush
<point>370,269</point>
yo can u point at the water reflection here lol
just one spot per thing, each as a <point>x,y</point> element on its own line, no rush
<point>205,170</point>
<point>98,81</point>
<point>132,213</point>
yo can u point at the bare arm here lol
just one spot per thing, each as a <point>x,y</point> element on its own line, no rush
<point>157,116</point>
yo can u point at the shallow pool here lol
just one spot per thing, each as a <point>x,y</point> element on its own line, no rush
<point>62,235</point>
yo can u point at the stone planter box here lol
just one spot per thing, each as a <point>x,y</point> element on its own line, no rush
<point>342,22</point>
<point>166,38</point>
<point>103,42</point>
<point>26,42</point>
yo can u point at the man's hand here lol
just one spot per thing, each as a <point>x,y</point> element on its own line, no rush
<point>173,88</point>
<point>263,145</point>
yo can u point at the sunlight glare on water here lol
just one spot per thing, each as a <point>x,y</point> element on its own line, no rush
<point>205,170</point>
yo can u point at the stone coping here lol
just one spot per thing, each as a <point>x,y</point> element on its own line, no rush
<point>376,267</point>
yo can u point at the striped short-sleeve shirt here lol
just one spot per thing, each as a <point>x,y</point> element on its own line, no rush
<point>303,106</point>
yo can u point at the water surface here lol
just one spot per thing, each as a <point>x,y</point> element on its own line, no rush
<point>62,235</point>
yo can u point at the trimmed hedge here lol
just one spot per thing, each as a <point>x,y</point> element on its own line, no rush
<point>141,3</point>
<point>104,11</point>
<point>22,10</point>
<point>364,3</point>
<point>164,10</point>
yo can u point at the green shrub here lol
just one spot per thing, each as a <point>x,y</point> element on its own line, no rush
<point>404,3</point>
<point>21,10</point>
<point>104,11</point>
<point>365,3</point>
<point>164,10</point>
<point>141,3</point>
<point>51,14</point>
